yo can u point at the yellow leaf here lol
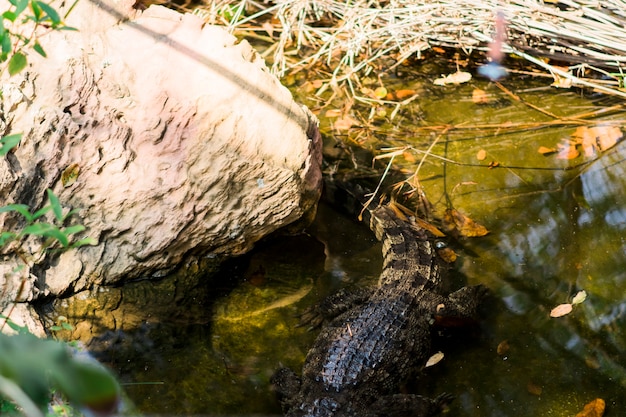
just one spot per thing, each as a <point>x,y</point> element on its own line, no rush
<point>479,96</point>
<point>561,310</point>
<point>380,92</point>
<point>567,151</point>
<point>434,359</point>
<point>69,175</point>
<point>454,220</point>
<point>594,409</point>
<point>579,297</point>
<point>481,155</point>
<point>545,151</point>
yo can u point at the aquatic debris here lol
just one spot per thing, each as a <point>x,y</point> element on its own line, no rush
<point>280,303</point>
<point>481,155</point>
<point>454,220</point>
<point>566,308</point>
<point>434,359</point>
<point>459,77</point>
<point>579,297</point>
<point>592,140</point>
<point>561,310</point>
<point>593,409</point>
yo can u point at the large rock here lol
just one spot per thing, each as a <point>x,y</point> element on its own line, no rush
<point>186,145</point>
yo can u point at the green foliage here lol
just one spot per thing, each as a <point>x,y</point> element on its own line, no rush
<point>33,368</point>
<point>52,232</point>
<point>9,142</point>
<point>18,31</point>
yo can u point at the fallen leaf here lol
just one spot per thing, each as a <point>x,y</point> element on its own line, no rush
<point>534,389</point>
<point>344,123</point>
<point>434,359</point>
<point>561,310</point>
<point>493,164</point>
<point>479,96</point>
<point>438,49</point>
<point>594,409</point>
<point>545,151</point>
<point>458,77</point>
<point>579,297</point>
<point>481,155</point>
<point>503,348</point>
<point>455,220</point>
<point>380,92</point>
<point>409,156</point>
<point>402,94</point>
<point>70,175</point>
<point>567,151</point>
<point>447,254</point>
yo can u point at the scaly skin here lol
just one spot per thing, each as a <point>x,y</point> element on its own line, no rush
<point>379,337</point>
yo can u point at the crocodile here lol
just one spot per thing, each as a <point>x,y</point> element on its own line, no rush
<point>374,339</point>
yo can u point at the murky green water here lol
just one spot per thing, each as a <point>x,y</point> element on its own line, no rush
<point>556,227</point>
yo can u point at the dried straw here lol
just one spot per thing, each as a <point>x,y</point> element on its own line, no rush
<point>350,36</point>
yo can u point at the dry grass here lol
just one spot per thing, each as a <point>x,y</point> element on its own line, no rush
<point>351,37</point>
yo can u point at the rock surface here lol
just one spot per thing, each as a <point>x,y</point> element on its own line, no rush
<point>186,146</point>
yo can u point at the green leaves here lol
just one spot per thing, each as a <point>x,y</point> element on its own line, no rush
<point>9,142</point>
<point>54,232</point>
<point>39,366</point>
<point>23,32</point>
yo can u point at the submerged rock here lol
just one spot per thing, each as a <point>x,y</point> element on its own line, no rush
<point>183,142</point>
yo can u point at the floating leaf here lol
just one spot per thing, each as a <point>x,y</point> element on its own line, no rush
<point>479,96</point>
<point>567,151</point>
<point>344,123</point>
<point>545,151</point>
<point>454,220</point>
<point>380,92</point>
<point>434,359</point>
<point>481,155</point>
<point>594,409</point>
<point>579,297</point>
<point>561,310</point>
<point>403,94</point>
<point>447,254</point>
<point>458,77</point>
<point>503,348</point>
<point>534,389</point>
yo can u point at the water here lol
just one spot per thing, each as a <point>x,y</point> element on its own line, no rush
<point>556,227</point>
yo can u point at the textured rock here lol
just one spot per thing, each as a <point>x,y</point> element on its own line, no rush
<point>186,145</point>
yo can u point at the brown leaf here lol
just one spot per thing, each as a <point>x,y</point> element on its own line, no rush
<point>594,409</point>
<point>545,151</point>
<point>481,155</point>
<point>402,94</point>
<point>344,123</point>
<point>479,96</point>
<point>454,220</point>
<point>561,310</point>
<point>533,388</point>
<point>503,348</point>
<point>447,254</point>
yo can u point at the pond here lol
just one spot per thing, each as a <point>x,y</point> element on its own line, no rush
<point>557,226</point>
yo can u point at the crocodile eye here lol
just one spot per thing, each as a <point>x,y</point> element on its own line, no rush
<point>440,244</point>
